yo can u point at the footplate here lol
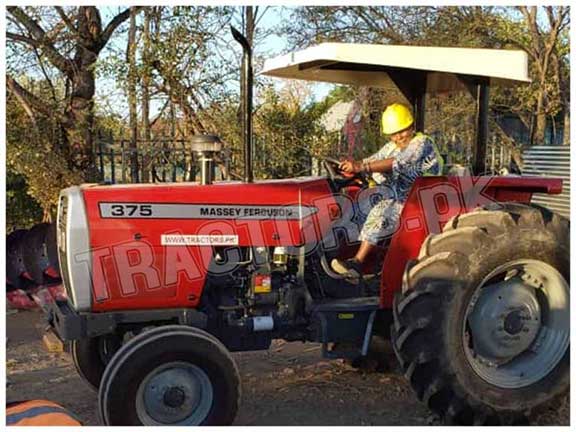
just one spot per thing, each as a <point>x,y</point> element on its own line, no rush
<point>346,322</point>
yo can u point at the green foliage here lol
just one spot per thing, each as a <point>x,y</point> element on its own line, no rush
<point>32,153</point>
<point>22,211</point>
<point>287,132</point>
<point>280,130</point>
<point>339,93</point>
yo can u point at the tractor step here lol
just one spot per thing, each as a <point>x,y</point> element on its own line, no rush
<point>345,322</point>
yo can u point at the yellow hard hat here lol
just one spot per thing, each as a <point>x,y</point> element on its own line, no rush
<point>396,117</point>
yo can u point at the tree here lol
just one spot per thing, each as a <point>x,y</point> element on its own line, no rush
<point>132,96</point>
<point>146,83</point>
<point>542,45</point>
<point>31,154</point>
<point>397,25</point>
<point>288,133</point>
<point>22,211</point>
<point>188,66</point>
<point>71,46</point>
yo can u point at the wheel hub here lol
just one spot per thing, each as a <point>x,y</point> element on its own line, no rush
<point>513,322</point>
<point>174,397</point>
<point>175,394</point>
<point>517,323</point>
<point>505,320</point>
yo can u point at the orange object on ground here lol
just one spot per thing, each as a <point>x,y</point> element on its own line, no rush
<point>39,413</point>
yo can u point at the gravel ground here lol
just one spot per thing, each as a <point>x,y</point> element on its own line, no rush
<point>290,384</point>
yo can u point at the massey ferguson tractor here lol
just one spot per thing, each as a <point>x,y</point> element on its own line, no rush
<point>165,280</point>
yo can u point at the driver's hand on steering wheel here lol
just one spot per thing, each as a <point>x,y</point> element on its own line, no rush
<point>350,166</point>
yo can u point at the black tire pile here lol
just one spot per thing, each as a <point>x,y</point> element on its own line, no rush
<point>32,259</point>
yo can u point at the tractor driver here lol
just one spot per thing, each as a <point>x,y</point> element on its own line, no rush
<point>394,167</point>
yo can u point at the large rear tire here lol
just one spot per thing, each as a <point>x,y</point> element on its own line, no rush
<point>481,327</point>
<point>171,375</point>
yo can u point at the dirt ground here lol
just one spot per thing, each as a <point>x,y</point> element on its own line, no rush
<point>290,384</point>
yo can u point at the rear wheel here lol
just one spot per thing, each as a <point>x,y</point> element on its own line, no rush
<point>481,328</point>
<point>171,375</point>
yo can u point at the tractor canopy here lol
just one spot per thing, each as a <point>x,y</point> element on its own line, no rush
<point>382,65</point>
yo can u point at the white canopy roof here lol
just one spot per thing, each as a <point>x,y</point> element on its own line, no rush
<point>366,64</point>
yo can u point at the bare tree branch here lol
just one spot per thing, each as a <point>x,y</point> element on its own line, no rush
<point>21,38</point>
<point>66,20</point>
<point>113,25</point>
<point>29,102</point>
<point>46,76</point>
<point>41,40</point>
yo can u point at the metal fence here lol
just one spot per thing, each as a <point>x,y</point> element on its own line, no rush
<point>550,161</point>
<point>171,160</point>
<point>163,160</point>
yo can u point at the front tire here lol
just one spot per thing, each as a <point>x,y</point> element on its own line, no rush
<point>171,375</point>
<point>481,328</point>
<point>91,355</point>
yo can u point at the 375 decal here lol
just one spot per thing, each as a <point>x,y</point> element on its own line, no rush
<point>120,210</point>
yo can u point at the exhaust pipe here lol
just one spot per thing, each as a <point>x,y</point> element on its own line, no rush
<point>246,94</point>
<point>206,147</point>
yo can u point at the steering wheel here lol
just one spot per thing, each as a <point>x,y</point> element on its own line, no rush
<point>340,178</point>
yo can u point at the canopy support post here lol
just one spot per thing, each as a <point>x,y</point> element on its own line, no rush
<point>482,105</point>
<point>413,86</point>
<point>419,104</point>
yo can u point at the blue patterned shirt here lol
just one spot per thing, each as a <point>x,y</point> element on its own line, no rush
<point>418,158</point>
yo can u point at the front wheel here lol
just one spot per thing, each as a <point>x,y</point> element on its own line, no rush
<point>170,376</point>
<point>91,355</point>
<point>481,328</point>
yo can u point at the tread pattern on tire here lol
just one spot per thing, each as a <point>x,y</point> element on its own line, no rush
<point>417,310</point>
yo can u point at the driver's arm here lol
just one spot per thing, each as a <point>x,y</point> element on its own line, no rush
<point>378,166</point>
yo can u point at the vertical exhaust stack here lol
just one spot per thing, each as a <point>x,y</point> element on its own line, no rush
<point>246,95</point>
<point>206,146</point>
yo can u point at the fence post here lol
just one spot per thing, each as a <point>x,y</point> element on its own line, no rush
<point>123,161</point>
<point>112,166</point>
<point>101,157</point>
<point>493,162</point>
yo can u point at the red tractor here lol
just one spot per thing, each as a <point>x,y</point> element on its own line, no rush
<point>165,280</point>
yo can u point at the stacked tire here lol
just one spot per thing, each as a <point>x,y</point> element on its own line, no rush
<point>31,259</point>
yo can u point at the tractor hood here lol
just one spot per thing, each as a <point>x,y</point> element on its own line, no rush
<point>271,212</point>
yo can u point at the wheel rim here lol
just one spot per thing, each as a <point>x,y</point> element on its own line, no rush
<point>516,327</point>
<point>176,393</point>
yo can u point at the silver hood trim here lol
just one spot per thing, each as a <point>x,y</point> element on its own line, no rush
<point>78,255</point>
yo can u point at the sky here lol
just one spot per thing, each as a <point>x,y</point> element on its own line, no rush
<point>113,98</point>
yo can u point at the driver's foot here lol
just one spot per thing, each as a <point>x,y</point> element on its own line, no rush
<point>350,268</point>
